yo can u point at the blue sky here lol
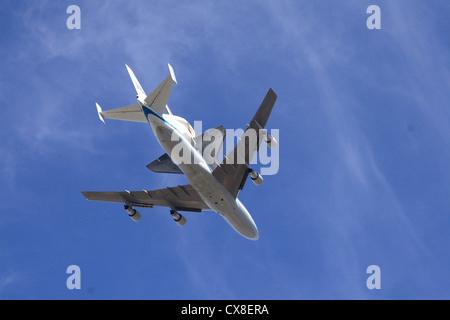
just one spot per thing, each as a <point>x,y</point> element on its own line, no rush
<point>364,173</point>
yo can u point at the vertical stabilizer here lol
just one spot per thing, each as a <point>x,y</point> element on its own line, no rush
<point>140,92</point>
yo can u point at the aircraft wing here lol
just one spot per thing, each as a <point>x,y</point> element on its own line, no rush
<point>181,198</point>
<point>233,170</point>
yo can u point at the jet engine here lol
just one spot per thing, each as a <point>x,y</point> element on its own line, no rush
<point>271,141</point>
<point>178,218</point>
<point>132,213</point>
<point>256,177</point>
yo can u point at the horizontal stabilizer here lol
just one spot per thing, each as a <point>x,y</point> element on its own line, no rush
<point>132,112</point>
<point>164,164</point>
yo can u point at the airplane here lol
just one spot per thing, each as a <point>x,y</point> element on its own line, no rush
<point>213,185</point>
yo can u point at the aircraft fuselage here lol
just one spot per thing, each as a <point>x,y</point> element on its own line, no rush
<point>199,175</point>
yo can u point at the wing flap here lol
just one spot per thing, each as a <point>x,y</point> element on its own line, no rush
<point>232,177</point>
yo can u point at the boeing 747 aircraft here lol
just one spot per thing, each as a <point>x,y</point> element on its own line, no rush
<point>213,185</point>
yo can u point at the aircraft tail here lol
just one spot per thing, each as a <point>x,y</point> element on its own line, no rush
<point>157,100</point>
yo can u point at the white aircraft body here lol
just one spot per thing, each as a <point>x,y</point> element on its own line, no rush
<point>213,186</point>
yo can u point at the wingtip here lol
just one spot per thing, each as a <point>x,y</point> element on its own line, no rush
<point>272,93</point>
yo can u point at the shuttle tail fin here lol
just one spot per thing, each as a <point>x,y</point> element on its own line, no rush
<point>140,92</point>
<point>156,101</point>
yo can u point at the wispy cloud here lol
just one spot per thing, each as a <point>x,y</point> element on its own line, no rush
<point>6,280</point>
<point>427,81</point>
<point>354,158</point>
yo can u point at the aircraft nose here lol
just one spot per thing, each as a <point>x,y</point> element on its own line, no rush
<point>242,222</point>
<point>248,227</point>
<point>252,234</point>
<point>245,228</point>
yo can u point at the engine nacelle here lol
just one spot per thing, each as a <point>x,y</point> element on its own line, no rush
<point>256,177</point>
<point>271,141</point>
<point>178,218</point>
<point>132,213</point>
